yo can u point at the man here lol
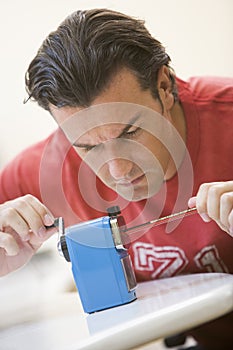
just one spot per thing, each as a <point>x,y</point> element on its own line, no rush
<point>153,141</point>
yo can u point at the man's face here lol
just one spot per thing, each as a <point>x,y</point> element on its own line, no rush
<point>122,137</point>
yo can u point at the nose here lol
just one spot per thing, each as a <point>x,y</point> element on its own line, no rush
<point>119,168</point>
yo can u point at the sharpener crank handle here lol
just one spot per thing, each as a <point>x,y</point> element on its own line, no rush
<point>61,244</point>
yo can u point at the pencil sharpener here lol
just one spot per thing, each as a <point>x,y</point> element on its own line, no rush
<point>101,264</point>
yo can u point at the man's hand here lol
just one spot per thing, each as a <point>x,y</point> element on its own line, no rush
<point>214,201</point>
<point>22,231</point>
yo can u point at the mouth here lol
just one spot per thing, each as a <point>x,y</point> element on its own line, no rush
<point>128,183</point>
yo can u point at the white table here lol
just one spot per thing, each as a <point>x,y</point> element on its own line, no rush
<point>164,307</point>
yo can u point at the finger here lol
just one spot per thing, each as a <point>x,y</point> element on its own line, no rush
<point>192,202</point>
<point>8,243</point>
<point>201,198</point>
<point>201,201</point>
<point>11,218</point>
<point>226,207</point>
<point>45,214</point>
<point>230,219</point>
<point>215,193</point>
<point>29,215</point>
<point>34,213</point>
<point>36,241</point>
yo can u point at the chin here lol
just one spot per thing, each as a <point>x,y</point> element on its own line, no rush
<point>138,199</point>
<point>140,194</point>
<point>136,196</point>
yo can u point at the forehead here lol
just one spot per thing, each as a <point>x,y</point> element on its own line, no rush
<point>108,116</point>
<point>123,87</point>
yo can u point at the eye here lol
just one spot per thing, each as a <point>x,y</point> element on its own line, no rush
<point>84,149</point>
<point>131,133</point>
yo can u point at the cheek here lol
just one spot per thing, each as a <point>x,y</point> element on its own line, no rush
<point>151,147</point>
<point>155,154</point>
<point>103,172</point>
<point>157,149</point>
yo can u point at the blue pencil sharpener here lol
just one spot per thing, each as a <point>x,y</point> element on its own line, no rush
<point>101,264</point>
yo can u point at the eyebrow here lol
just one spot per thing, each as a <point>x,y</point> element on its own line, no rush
<point>127,127</point>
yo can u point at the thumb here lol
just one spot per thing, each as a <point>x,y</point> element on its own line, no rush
<point>8,243</point>
<point>192,202</point>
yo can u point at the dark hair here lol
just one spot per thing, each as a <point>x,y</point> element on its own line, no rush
<point>76,62</point>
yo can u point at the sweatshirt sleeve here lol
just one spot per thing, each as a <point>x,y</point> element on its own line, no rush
<point>21,175</point>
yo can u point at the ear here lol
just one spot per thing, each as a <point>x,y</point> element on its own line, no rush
<point>165,87</point>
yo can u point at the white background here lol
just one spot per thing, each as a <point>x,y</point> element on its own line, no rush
<point>198,37</point>
<point>196,33</point>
